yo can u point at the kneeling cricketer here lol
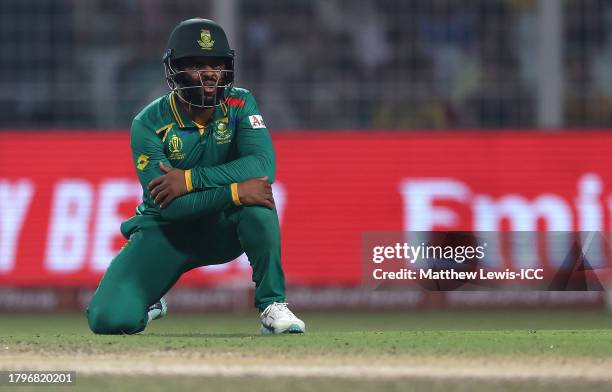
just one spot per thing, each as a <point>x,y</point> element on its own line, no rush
<point>206,162</point>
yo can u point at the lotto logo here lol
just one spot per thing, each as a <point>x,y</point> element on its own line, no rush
<point>257,121</point>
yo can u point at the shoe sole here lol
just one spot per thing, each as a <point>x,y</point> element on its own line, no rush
<point>292,329</point>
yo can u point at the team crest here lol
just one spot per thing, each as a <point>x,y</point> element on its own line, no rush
<point>222,132</point>
<point>206,42</point>
<point>175,146</point>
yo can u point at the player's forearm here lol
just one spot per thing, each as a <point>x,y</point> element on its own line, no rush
<point>197,204</point>
<point>241,169</point>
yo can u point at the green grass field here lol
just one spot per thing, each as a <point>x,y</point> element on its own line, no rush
<point>428,351</point>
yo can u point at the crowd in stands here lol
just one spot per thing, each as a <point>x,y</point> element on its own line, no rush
<point>316,64</point>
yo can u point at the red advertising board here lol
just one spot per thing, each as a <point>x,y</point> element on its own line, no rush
<point>63,195</point>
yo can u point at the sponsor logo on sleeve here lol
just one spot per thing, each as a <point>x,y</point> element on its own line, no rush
<point>257,121</point>
<point>142,162</point>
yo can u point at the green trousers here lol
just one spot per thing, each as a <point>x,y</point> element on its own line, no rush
<point>158,253</point>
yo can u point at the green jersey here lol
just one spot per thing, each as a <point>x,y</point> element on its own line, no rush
<point>233,146</point>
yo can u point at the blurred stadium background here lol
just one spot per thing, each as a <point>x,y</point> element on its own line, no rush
<point>471,102</point>
<point>390,64</point>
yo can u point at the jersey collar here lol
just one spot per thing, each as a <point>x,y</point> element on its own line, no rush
<point>182,119</point>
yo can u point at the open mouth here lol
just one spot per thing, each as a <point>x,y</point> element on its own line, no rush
<point>210,87</point>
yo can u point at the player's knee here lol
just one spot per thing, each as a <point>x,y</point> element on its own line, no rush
<point>106,320</point>
<point>258,215</point>
<point>262,223</point>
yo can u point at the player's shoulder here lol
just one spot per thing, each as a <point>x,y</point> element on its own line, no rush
<point>155,114</point>
<point>239,97</point>
<point>240,92</point>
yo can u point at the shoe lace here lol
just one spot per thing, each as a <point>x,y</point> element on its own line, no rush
<point>280,306</point>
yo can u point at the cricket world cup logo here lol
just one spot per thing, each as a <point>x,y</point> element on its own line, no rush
<point>175,146</point>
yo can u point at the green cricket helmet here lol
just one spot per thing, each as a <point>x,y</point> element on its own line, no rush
<point>196,41</point>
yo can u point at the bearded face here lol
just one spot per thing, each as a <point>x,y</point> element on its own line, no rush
<point>201,81</point>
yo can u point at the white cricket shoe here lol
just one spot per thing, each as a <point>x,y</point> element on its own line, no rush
<point>277,318</point>
<point>158,310</point>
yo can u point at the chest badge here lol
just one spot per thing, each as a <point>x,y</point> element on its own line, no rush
<point>222,132</point>
<point>175,147</point>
